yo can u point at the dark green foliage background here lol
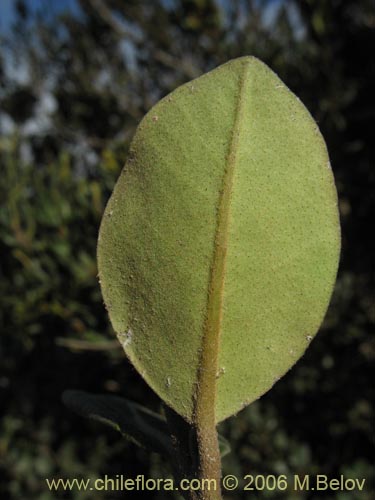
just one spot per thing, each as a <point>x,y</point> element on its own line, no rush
<point>103,65</point>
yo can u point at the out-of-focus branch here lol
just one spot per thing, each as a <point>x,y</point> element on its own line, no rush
<point>118,27</point>
<point>158,54</point>
<point>85,345</point>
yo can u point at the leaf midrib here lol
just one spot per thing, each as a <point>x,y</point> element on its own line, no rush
<point>205,402</point>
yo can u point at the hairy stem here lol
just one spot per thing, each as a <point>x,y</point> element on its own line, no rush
<point>189,461</point>
<point>200,457</point>
<point>205,405</point>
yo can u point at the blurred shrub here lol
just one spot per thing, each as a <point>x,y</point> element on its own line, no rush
<point>54,329</point>
<point>77,85</point>
<point>48,235</point>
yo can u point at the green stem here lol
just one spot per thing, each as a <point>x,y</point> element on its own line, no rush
<point>206,466</point>
<point>191,460</point>
<point>205,404</point>
<point>209,463</point>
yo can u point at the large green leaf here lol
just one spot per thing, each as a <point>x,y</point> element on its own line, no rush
<point>219,247</point>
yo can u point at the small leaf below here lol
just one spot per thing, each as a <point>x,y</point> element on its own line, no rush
<point>138,424</point>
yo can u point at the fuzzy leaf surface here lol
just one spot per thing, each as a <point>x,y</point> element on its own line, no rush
<point>219,246</point>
